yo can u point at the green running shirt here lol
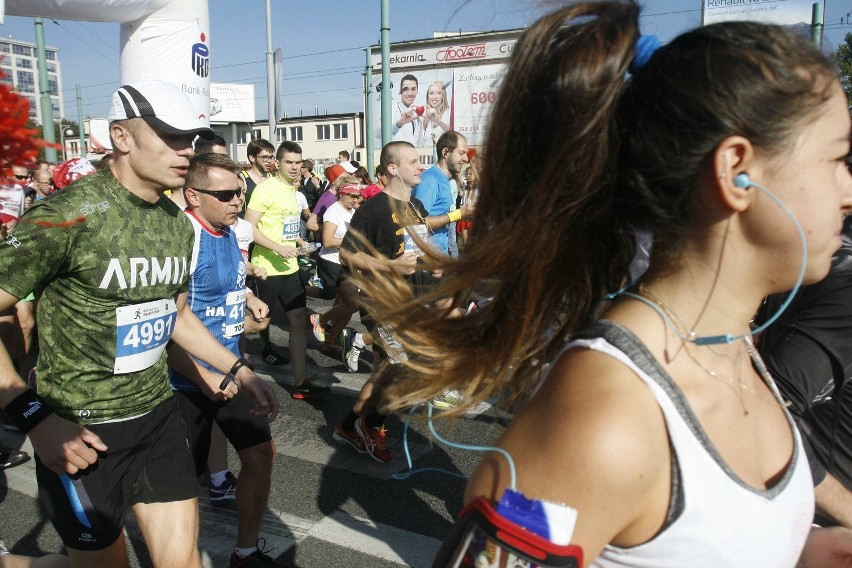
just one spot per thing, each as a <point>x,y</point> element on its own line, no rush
<point>109,267</point>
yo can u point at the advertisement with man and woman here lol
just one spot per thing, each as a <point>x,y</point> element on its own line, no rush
<point>427,103</point>
<point>421,104</point>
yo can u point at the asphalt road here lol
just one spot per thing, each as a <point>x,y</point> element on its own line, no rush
<point>329,506</point>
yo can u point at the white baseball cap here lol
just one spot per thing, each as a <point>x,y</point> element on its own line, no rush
<point>162,105</point>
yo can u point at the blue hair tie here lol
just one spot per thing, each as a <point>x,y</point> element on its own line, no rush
<point>646,45</point>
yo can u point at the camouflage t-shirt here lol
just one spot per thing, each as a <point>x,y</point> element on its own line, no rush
<point>110,266</point>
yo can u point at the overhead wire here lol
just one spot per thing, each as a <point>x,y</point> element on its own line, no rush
<point>314,74</point>
<point>361,48</point>
<point>97,37</point>
<point>84,42</point>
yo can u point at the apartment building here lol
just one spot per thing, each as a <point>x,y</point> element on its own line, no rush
<point>19,67</point>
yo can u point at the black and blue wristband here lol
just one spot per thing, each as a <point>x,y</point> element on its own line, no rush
<point>27,409</point>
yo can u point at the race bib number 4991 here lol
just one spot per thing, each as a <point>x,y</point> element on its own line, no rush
<point>142,332</point>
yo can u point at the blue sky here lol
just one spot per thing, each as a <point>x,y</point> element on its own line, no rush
<point>323,46</point>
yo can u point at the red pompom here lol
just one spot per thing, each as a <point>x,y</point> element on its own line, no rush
<point>19,145</point>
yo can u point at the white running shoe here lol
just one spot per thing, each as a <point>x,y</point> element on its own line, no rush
<point>448,399</point>
<point>394,349</point>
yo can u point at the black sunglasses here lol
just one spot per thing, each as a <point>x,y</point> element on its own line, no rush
<point>223,195</point>
<point>22,177</point>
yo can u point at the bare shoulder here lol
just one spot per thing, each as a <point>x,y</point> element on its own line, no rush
<point>593,437</point>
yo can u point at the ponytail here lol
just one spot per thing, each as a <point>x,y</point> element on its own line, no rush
<point>544,242</point>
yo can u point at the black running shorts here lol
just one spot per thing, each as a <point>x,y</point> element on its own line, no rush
<point>147,461</point>
<point>330,272</point>
<point>242,429</point>
<point>287,290</point>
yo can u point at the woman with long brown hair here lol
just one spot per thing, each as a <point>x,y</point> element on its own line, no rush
<point>655,419</point>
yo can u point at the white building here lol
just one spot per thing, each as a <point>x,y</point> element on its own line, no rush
<point>321,137</point>
<point>19,67</point>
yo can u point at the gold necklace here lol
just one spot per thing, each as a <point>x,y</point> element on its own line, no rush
<point>736,382</point>
<point>420,218</point>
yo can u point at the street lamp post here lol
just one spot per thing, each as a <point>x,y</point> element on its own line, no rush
<point>62,134</point>
<point>62,140</point>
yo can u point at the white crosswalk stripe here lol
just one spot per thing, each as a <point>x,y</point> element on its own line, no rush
<point>281,530</point>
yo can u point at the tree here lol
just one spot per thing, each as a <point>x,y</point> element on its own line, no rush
<point>57,133</point>
<point>843,55</point>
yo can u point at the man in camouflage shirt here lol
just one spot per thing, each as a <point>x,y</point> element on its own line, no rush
<point>110,256</point>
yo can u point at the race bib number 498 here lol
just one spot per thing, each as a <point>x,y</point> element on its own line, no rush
<point>142,332</point>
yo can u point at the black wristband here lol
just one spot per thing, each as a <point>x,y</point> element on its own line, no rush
<point>241,362</point>
<point>231,377</point>
<point>27,409</point>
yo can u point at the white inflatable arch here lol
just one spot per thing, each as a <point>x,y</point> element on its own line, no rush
<point>160,39</point>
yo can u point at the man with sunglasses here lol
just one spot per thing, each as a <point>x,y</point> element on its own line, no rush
<point>21,174</point>
<point>112,256</point>
<point>218,296</point>
<point>12,200</point>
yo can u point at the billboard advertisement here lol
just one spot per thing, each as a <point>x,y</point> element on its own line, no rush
<point>421,106</point>
<point>231,102</point>
<point>475,91</point>
<point>781,12</point>
<point>451,86</point>
<point>453,52</point>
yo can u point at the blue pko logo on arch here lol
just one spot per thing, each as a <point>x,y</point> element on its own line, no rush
<point>201,58</point>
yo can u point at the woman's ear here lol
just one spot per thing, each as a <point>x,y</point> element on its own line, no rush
<point>732,157</point>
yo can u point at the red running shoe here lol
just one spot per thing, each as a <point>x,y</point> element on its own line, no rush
<point>352,438</point>
<point>374,441</point>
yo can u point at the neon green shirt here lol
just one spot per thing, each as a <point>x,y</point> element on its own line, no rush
<point>280,222</point>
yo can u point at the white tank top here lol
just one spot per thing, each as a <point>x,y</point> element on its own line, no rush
<point>715,519</point>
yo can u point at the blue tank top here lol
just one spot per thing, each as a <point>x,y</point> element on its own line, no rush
<point>217,291</point>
